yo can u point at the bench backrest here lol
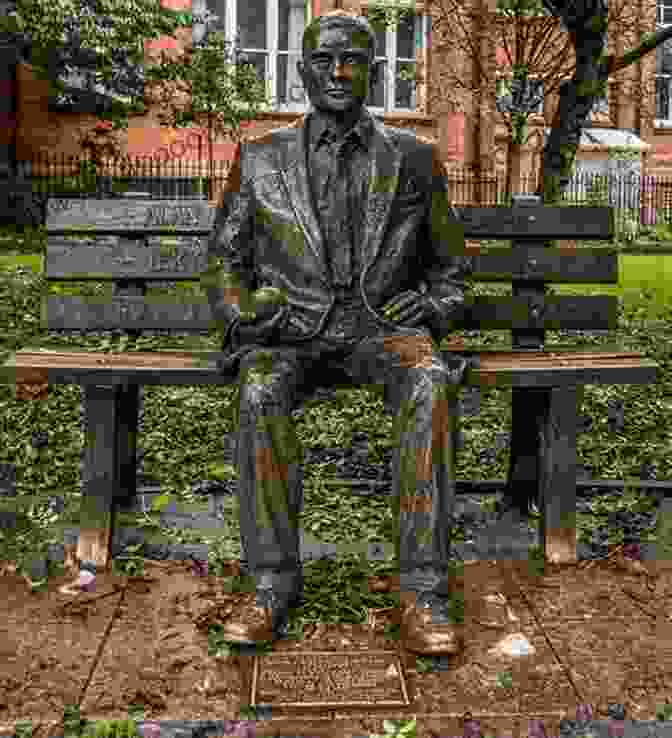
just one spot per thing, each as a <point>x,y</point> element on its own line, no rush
<point>134,242</point>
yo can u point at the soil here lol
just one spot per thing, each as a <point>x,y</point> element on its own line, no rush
<point>598,630</point>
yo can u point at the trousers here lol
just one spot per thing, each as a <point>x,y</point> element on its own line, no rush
<point>273,381</point>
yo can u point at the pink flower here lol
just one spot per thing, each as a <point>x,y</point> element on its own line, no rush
<point>536,729</point>
<point>151,730</point>
<point>616,728</point>
<point>632,551</point>
<point>584,713</point>
<point>86,581</point>
<point>472,729</point>
<point>199,568</point>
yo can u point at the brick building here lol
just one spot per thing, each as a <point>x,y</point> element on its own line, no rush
<point>469,131</point>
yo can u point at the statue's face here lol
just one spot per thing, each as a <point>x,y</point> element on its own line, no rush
<point>341,61</point>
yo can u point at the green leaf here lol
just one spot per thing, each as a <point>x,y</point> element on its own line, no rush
<point>161,502</point>
<point>504,680</point>
<point>128,728</point>
<point>663,712</point>
<point>23,728</point>
<point>103,729</point>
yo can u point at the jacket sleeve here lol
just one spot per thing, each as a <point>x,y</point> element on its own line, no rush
<point>230,273</point>
<point>447,267</point>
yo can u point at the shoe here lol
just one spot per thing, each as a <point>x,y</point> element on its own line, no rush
<point>426,626</point>
<point>262,615</point>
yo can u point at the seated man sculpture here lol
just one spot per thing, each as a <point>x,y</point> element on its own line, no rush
<point>349,221</point>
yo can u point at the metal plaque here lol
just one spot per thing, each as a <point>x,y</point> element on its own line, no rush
<point>329,679</point>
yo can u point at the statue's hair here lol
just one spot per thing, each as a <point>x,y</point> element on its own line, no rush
<point>338,18</point>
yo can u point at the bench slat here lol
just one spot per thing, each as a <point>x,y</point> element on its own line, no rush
<point>482,312</point>
<point>164,258</point>
<point>499,368</point>
<point>65,215</point>
<point>128,313</point>
<point>196,217</point>
<point>539,223</point>
<point>584,266</point>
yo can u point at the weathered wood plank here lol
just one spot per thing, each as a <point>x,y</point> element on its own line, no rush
<point>197,217</point>
<point>558,369</point>
<point>153,258</point>
<point>548,312</point>
<point>165,258</point>
<point>105,216</point>
<point>538,223</point>
<point>481,312</point>
<point>500,368</point>
<point>128,313</point>
<point>587,266</point>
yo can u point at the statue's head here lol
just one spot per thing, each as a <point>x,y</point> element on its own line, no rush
<point>339,51</point>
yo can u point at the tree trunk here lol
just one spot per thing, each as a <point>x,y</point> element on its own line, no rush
<point>587,31</point>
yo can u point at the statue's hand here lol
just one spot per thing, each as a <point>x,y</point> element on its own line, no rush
<point>261,328</point>
<point>410,308</point>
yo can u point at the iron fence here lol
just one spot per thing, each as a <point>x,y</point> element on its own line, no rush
<point>75,176</point>
<point>640,200</point>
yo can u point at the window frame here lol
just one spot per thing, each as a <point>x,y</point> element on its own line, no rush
<point>667,77</point>
<point>390,81</point>
<point>661,5</point>
<point>271,51</point>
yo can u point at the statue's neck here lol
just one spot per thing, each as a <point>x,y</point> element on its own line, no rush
<point>339,123</point>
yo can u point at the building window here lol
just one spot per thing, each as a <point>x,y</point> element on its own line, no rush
<point>663,78</point>
<point>269,35</point>
<point>664,12</point>
<point>533,100</point>
<point>398,48</point>
<point>663,96</point>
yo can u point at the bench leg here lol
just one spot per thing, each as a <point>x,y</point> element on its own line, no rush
<point>543,465</point>
<point>108,468</point>
<point>522,486</point>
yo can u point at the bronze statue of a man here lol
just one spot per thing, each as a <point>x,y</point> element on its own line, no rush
<point>350,221</point>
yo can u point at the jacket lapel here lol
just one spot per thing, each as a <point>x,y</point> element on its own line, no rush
<point>384,165</point>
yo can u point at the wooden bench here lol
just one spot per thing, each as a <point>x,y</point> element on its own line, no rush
<point>136,242</point>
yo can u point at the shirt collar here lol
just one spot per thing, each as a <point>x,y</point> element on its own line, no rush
<point>320,129</point>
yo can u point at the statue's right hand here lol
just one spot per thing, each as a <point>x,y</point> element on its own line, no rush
<point>261,329</point>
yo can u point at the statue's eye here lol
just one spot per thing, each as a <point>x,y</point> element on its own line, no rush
<point>348,59</point>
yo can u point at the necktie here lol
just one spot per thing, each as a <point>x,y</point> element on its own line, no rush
<point>338,216</point>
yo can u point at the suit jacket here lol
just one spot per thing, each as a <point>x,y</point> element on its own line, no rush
<point>267,233</point>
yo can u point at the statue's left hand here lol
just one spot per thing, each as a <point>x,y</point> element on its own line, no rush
<point>410,308</point>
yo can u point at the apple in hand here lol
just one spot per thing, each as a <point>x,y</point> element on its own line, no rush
<point>265,302</point>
